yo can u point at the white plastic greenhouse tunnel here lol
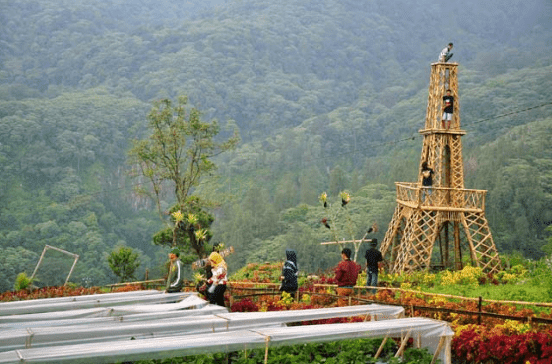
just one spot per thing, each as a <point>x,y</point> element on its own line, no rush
<point>129,326</point>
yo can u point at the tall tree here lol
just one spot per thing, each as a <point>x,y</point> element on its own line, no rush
<point>179,152</point>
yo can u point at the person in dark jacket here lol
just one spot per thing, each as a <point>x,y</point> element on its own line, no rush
<point>289,273</point>
<point>175,280</point>
<point>346,274</point>
<point>373,258</point>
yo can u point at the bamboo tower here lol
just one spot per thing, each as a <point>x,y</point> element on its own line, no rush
<point>449,217</point>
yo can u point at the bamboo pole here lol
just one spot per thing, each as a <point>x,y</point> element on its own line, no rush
<point>380,349</point>
<point>438,350</point>
<point>475,299</point>
<point>403,344</point>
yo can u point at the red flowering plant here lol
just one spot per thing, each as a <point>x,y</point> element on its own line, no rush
<point>244,305</point>
<point>128,288</point>
<point>511,342</point>
<point>47,292</point>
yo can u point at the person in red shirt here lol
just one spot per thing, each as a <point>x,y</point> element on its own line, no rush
<point>346,274</point>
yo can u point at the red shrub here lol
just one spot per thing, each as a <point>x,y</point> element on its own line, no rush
<point>245,305</point>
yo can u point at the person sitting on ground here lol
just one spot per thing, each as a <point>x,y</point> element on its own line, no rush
<point>346,274</point>
<point>175,280</point>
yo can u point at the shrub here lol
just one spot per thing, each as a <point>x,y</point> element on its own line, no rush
<point>245,305</point>
<point>22,281</point>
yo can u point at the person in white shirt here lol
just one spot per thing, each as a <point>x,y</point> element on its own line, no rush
<point>445,53</point>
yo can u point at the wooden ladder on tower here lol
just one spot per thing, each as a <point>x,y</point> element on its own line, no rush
<point>427,217</point>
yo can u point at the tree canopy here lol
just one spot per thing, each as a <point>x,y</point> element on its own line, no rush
<point>179,151</point>
<point>326,96</point>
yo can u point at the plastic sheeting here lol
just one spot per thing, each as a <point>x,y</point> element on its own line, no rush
<point>125,326</point>
<point>106,315</point>
<point>89,301</point>
<point>427,332</point>
<point>94,331</point>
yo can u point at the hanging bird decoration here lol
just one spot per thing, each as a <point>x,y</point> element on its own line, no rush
<point>345,198</point>
<point>325,222</point>
<point>373,228</point>
<point>324,199</point>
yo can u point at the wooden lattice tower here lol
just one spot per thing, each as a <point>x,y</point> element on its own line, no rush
<point>426,218</point>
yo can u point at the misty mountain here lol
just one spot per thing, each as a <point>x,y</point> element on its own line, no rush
<point>327,95</point>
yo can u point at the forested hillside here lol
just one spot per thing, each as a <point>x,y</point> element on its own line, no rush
<point>327,96</point>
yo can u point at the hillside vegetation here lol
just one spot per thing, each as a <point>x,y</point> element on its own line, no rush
<point>327,96</point>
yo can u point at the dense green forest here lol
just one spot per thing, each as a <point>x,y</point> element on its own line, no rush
<point>327,96</point>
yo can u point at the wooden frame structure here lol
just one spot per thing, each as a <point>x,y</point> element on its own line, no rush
<point>46,247</point>
<point>427,216</point>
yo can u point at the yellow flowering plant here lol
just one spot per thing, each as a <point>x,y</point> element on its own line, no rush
<point>286,299</point>
<point>177,216</point>
<point>200,234</point>
<point>467,276</point>
<point>192,219</point>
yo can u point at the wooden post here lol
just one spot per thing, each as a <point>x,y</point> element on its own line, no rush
<point>457,248</point>
<point>438,351</point>
<point>76,256</point>
<point>72,267</point>
<point>378,353</point>
<point>479,307</point>
<point>403,344</point>
<point>39,262</point>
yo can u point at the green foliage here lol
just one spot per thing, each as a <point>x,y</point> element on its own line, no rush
<point>258,272</point>
<point>179,151</point>
<point>22,281</point>
<point>335,352</point>
<point>528,280</point>
<point>123,262</point>
<point>317,113</point>
<point>13,261</point>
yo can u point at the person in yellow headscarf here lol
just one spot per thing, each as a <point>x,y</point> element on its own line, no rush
<point>218,280</point>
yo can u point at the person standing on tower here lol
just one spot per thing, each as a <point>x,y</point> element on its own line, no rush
<point>448,109</point>
<point>427,182</point>
<point>445,53</point>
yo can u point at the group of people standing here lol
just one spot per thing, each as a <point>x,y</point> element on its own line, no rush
<point>347,271</point>
<point>346,274</point>
<point>217,277</point>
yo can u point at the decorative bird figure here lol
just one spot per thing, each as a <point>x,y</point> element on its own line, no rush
<point>373,228</point>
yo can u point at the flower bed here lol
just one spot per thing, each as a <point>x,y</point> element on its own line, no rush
<point>47,292</point>
<point>495,341</point>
